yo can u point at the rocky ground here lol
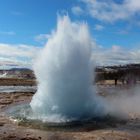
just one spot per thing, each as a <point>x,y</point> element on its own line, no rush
<point>11,130</point>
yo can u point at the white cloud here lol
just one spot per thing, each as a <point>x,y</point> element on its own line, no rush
<point>110,11</point>
<point>24,55</point>
<point>42,38</point>
<point>17,50</point>
<point>98,27</point>
<point>77,10</point>
<point>116,56</point>
<point>116,48</point>
<point>17,55</point>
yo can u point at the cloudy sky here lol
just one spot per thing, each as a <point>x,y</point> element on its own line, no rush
<point>25,26</point>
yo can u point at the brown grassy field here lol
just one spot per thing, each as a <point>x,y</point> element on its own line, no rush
<point>17,82</point>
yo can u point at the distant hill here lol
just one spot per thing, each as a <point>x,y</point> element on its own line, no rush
<point>18,73</point>
<point>20,69</point>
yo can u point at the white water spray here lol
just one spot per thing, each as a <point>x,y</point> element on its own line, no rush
<point>65,75</point>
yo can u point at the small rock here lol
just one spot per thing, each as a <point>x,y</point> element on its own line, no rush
<point>2,123</point>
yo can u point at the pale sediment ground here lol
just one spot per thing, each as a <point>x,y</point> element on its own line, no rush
<point>10,130</point>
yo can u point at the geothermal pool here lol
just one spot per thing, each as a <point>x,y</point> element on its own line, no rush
<point>11,89</point>
<point>22,115</point>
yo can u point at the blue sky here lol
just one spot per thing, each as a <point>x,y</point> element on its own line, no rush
<point>28,22</point>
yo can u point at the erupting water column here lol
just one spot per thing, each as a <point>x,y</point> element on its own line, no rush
<point>64,71</point>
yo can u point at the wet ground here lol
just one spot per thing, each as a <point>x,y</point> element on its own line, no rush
<point>11,89</point>
<point>110,130</point>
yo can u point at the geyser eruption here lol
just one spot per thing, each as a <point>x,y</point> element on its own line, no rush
<point>64,71</point>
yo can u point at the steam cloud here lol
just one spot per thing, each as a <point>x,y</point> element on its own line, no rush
<point>64,71</point>
<point>124,103</point>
